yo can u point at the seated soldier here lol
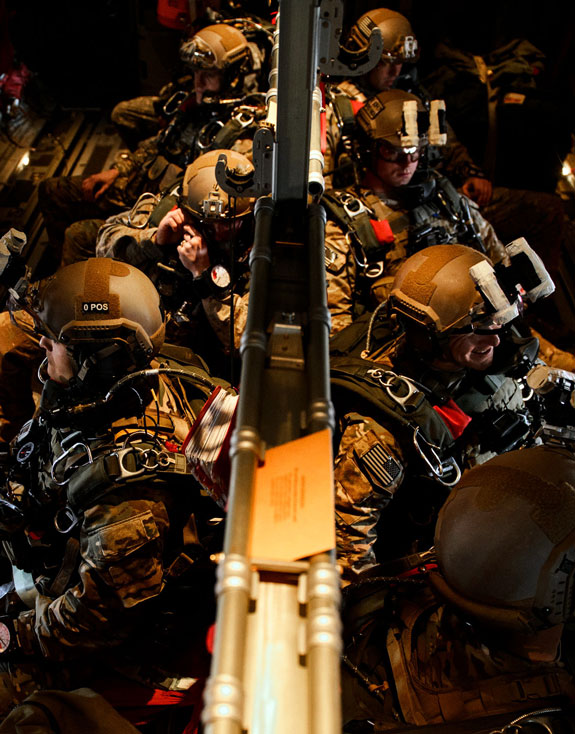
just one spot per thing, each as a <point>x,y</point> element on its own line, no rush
<point>194,245</point>
<point>472,642</point>
<point>514,212</point>
<point>220,57</point>
<point>108,533</point>
<point>440,393</point>
<point>141,117</point>
<point>399,207</point>
<point>396,69</point>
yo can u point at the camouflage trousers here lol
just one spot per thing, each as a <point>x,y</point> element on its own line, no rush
<point>17,682</point>
<point>81,710</point>
<point>80,241</point>
<point>136,119</point>
<point>61,201</point>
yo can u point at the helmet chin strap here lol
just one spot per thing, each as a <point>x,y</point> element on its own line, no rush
<point>43,375</point>
<point>95,360</point>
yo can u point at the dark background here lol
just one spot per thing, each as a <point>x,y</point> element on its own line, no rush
<point>89,55</point>
<point>95,52</point>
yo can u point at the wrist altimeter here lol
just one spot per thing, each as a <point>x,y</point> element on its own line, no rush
<point>214,281</point>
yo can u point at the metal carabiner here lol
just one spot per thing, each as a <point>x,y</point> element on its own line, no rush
<point>438,468</point>
<point>210,129</point>
<point>399,381</point>
<point>65,520</point>
<point>354,246</point>
<point>375,270</point>
<point>64,456</point>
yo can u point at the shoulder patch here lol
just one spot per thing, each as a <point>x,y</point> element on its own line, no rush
<point>381,468</point>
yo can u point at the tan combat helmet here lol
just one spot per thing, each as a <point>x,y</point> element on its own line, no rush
<point>401,120</point>
<point>220,47</point>
<point>396,117</point>
<point>106,312</point>
<point>204,198</point>
<point>505,540</point>
<point>434,289</point>
<point>399,42</point>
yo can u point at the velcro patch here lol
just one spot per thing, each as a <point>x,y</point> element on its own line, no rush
<point>95,306</point>
<point>381,468</point>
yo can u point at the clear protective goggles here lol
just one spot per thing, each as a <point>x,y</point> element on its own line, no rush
<point>392,154</point>
<point>481,323</point>
<point>197,54</point>
<point>24,315</point>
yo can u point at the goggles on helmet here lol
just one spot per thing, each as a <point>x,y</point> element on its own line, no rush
<point>22,305</point>
<point>197,54</point>
<point>392,154</point>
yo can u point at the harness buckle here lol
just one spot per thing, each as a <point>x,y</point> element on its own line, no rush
<point>440,469</point>
<point>125,472</point>
<point>399,388</point>
<point>244,116</point>
<point>353,206</point>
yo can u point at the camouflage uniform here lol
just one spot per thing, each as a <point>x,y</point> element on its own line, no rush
<point>77,710</point>
<point>20,358</point>
<point>62,202</point>
<point>114,602</point>
<point>141,117</point>
<point>457,162</point>
<point>446,670</point>
<point>344,260</point>
<point>536,215</point>
<point>153,167</point>
<point>130,238</point>
<point>137,118</point>
<point>376,459</point>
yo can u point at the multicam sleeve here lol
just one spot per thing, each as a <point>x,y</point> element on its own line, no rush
<point>127,162</point>
<point>341,270</point>
<point>218,311</point>
<point>126,237</point>
<point>120,569</point>
<point>368,470</point>
<point>493,245</point>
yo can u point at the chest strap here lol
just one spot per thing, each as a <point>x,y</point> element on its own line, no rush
<point>400,399</point>
<point>371,235</point>
<point>93,481</point>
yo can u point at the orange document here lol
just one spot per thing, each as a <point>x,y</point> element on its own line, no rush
<point>293,512</point>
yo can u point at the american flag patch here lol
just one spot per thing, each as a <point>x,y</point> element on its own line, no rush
<point>380,466</point>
